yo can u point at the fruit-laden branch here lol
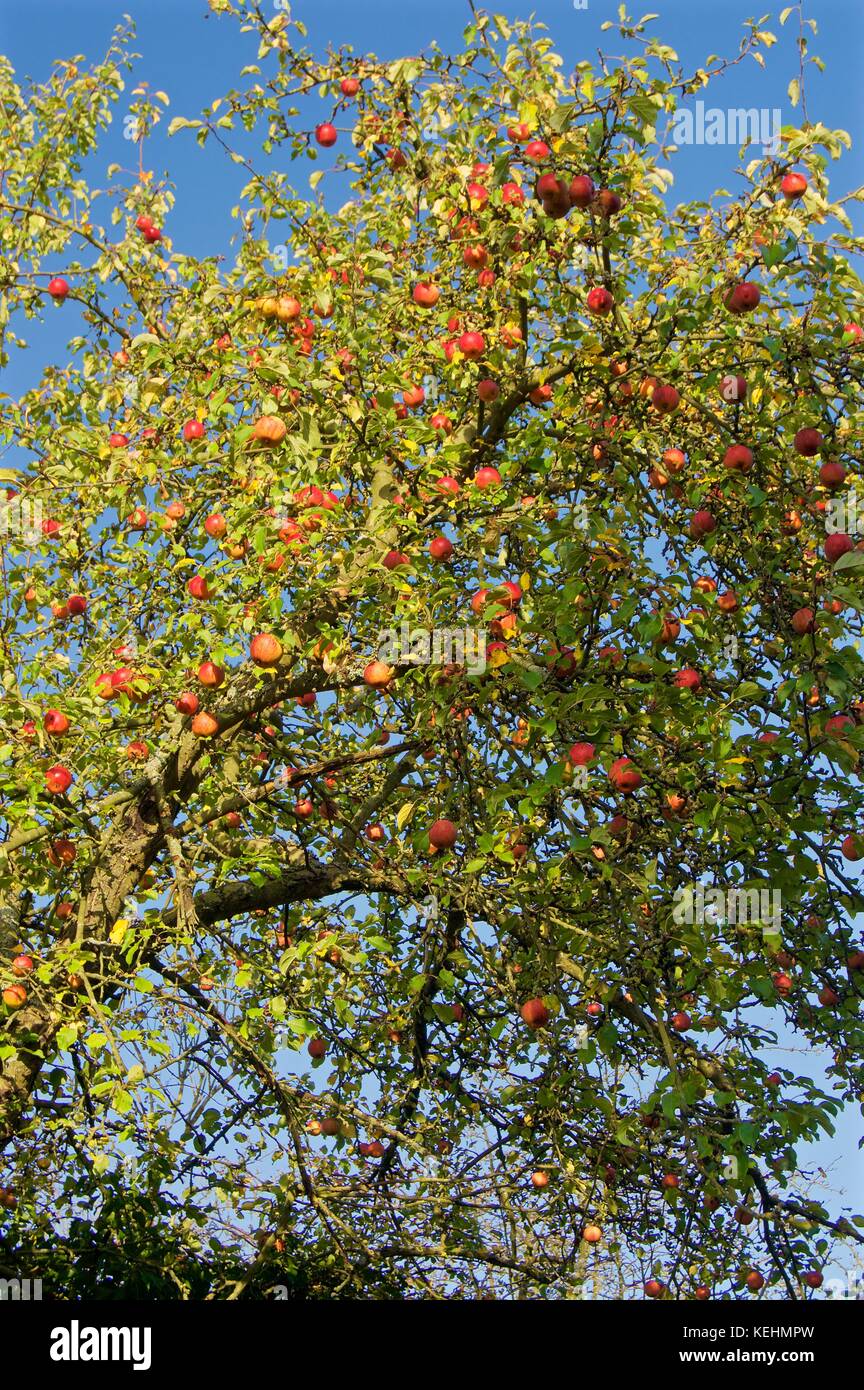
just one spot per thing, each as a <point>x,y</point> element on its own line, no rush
<point>714,1072</point>
<point>304,880</point>
<point>262,791</point>
<point>127,851</point>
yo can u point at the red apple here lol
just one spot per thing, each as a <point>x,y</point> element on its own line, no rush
<point>325,134</point>
<point>55,723</point>
<point>537,151</point>
<point>426,295</point>
<point>535,1013</point>
<point>581,754</point>
<point>803,621</point>
<point>554,195</point>
<point>448,485</point>
<point>807,442</point>
<point>665,399</point>
<point>793,185</point>
<point>440,548</point>
<point>599,300</point>
<point>205,725</point>
<point>733,388</point>
<point>210,675</point>
<point>488,390</point>
<point>378,674</point>
<point>472,346</point>
<point>608,202</point>
<point>738,458</point>
<point>442,834</point>
<point>187,703</point>
<point>487,477</point>
<point>837,725</point>
<point>541,395</point>
<point>265,649</point>
<point>674,460</point>
<point>198,587</point>
<point>394,558</point>
<point>58,779</point>
<point>743,297</point>
<point>624,776</point>
<point>58,289</point>
<point>832,473</point>
<point>193,429</point>
<point>581,191</point>
<point>702,523</point>
<point>836,545</point>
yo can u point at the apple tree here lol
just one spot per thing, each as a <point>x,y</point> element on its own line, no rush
<point>422,634</point>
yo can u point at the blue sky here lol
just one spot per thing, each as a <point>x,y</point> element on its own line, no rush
<point>195,57</point>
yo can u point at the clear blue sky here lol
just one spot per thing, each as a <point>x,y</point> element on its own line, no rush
<point>195,57</point>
